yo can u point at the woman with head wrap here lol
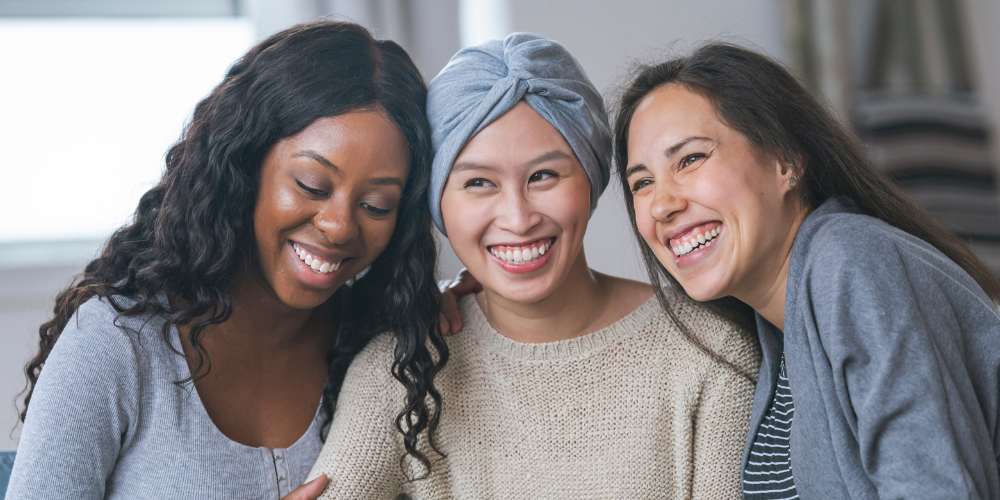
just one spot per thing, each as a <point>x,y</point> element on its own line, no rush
<point>564,383</point>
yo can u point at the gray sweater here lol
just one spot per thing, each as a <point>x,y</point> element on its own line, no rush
<point>893,356</point>
<point>107,421</point>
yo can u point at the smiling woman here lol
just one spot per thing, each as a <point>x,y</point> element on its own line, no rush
<point>880,330</point>
<point>201,355</point>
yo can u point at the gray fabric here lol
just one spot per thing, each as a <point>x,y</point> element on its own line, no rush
<point>107,421</point>
<point>6,463</point>
<point>893,357</point>
<point>481,83</point>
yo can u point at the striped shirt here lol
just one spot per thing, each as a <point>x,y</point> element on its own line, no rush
<point>768,475</point>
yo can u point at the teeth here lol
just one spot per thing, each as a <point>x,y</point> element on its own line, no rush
<point>521,255</point>
<point>697,242</point>
<point>316,264</point>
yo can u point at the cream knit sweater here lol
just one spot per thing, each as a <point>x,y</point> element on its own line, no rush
<point>630,411</point>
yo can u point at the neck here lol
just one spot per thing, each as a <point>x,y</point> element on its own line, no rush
<point>766,293</point>
<point>261,322</point>
<point>568,312</point>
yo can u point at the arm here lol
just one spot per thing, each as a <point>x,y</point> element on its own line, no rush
<point>889,320</point>
<point>82,409</point>
<point>362,451</point>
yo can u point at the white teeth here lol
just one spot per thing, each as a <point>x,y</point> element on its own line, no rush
<point>314,263</point>
<point>699,241</point>
<point>521,255</point>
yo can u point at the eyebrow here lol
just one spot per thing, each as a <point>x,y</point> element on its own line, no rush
<point>672,150</point>
<point>308,153</point>
<point>551,155</point>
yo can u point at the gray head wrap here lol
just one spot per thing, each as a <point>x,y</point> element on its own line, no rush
<point>481,83</point>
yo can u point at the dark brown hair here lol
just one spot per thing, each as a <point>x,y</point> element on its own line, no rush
<point>192,235</point>
<point>782,119</point>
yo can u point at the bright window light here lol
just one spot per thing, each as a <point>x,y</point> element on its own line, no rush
<point>88,108</point>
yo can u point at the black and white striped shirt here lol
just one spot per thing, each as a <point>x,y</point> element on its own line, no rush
<point>768,475</point>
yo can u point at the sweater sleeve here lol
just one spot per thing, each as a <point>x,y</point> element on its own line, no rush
<point>82,410</point>
<point>887,313</point>
<point>362,452</point>
<point>721,423</point>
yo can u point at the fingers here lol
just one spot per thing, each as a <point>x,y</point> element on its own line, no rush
<point>444,324</point>
<point>451,319</point>
<point>310,490</point>
<point>465,284</point>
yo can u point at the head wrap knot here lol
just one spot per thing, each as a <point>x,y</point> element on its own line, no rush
<point>482,83</point>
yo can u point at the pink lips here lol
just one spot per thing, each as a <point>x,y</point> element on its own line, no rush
<point>524,257</point>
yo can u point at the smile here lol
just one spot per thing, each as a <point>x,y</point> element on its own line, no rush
<point>696,239</point>
<point>317,265</point>
<point>521,254</point>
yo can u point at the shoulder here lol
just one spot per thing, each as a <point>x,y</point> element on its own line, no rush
<point>371,371</point>
<point>839,248</point>
<point>96,334</point>
<point>707,325</point>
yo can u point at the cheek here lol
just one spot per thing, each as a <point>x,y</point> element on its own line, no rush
<point>376,234</point>
<point>644,220</point>
<point>465,220</point>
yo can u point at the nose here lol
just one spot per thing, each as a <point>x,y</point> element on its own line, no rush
<point>667,201</point>
<point>337,221</point>
<point>516,214</point>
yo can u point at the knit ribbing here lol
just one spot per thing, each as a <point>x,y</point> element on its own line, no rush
<point>578,347</point>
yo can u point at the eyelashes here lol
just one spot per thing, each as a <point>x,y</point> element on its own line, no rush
<point>310,190</point>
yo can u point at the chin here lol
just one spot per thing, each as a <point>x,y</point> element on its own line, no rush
<point>703,289</point>
<point>524,292</point>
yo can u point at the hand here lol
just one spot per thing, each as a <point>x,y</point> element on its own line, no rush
<point>310,490</point>
<point>451,291</point>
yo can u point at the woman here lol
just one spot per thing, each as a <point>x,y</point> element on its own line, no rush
<point>880,330</point>
<point>199,355</point>
<point>565,383</point>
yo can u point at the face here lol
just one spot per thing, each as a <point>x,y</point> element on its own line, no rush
<point>327,204</point>
<point>718,215</point>
<point>516,206</point>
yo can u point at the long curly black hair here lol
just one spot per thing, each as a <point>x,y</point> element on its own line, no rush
<point>192,235</point>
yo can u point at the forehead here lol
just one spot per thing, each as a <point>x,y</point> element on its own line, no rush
<point>669,114</point>
<point>520,134</point>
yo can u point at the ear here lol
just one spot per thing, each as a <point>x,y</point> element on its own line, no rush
<point>787,173</point>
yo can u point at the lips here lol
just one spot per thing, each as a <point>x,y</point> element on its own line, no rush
<point>321,265</point>
<point>521,254</point>
<point>696,238</point>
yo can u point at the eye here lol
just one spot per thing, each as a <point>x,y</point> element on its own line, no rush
<point>310,190</point>
<point>641,183</point>
<point>376,211</point>
<point>689,160</point>
<point>542,175</point>
<point>478,182</point>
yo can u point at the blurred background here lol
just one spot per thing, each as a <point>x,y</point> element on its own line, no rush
<point>93,92</point>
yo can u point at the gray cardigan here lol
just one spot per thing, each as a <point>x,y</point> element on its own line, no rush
<point>107,421</point>
<point>893,356</point>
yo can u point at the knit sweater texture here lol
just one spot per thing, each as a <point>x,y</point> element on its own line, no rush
<point>634,410</point>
